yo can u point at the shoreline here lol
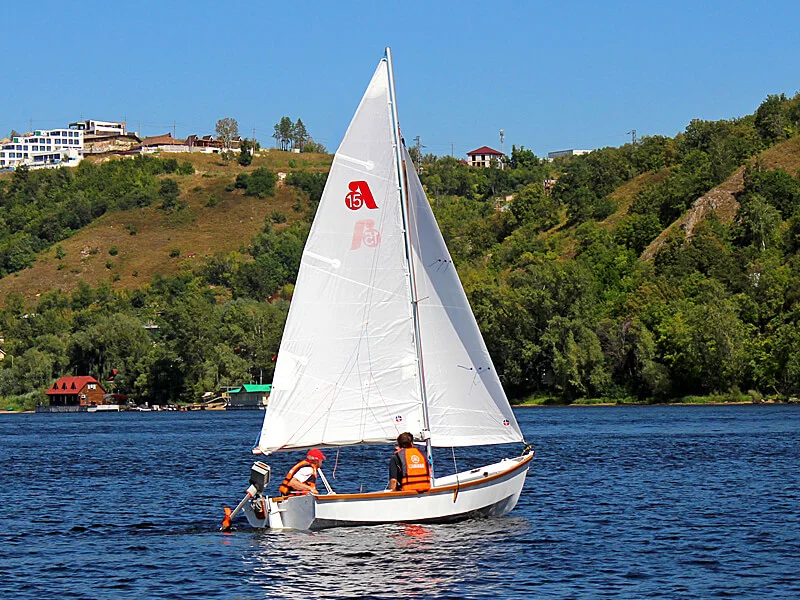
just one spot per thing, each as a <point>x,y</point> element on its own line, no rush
<point>577,405</point>
<point>624,404</point>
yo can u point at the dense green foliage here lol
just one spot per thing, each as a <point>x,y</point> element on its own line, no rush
<point>566,305</point>
<point>170,341</point>
<point>713,313</point>
<point>259,183</point>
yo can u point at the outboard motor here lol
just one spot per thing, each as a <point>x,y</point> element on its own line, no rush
<point>259,478</point>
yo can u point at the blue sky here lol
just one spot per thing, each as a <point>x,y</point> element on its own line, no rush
<point>552,75</point>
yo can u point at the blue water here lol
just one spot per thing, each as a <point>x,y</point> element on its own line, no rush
<point>621,502</point>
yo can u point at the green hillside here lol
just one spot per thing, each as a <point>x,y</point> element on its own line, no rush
<point>650,272</point>
<point>145,241</point>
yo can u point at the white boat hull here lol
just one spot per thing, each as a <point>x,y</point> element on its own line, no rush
<point>490,491</point>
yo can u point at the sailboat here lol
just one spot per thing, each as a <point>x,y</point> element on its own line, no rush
<point>380,340</point>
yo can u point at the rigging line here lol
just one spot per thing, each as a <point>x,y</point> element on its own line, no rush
<point>455,468</point>
<point>348,279</point>
<point>330,398</point>
<point>335,463</point>
<point>321,413</point>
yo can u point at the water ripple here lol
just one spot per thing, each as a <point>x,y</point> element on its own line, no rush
<point>639,502</point>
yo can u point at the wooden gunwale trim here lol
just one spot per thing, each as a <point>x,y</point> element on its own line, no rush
<point>448,488</point>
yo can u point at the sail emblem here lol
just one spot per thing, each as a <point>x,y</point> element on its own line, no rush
<point>359,195</point>
<point>399,418</point>
<point>506,422</point>
<point>365,233</point>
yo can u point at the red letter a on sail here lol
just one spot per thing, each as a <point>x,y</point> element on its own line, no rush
<point>359,195</point>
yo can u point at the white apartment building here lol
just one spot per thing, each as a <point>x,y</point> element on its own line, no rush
<point>40,149</point>
<point>561,153</point>
<point>99,128</point>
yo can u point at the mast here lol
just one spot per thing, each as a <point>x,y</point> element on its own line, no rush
<point>401,177</point>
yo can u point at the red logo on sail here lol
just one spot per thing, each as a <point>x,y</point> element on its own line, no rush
<point>359,195</point>
<point>366,234</point>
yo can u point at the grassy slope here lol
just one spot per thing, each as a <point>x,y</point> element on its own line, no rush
<point>204,231</point>
<point>563,237</point>
<point>198,229</point>
<point>722,199</point>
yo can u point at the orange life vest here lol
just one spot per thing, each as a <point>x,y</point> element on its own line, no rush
<point>415,475</point>
<point>285,490</point>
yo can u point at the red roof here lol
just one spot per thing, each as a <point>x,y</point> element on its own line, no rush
<point>71,385</point>
<point>485,150</point>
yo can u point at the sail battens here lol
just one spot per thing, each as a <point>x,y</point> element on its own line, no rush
<point>334,262</point>
<point>367,164</point>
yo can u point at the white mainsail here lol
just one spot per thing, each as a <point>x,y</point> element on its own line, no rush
<point>348,368</point>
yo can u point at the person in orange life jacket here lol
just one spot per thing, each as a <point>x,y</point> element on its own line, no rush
<point>408,468</point>
<point>302,478</point>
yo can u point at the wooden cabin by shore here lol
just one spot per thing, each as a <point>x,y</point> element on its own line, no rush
<point>76,391</point>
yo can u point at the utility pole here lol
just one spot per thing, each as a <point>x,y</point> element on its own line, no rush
<point>452,150</point>
<point>502,141</point>
<point>418,145</point>
<point>174,128</point>
<point>632,133</point>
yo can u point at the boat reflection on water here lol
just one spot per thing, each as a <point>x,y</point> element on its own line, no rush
<point>387,560</point>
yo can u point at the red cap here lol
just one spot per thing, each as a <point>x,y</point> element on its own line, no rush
<point>316,454</point>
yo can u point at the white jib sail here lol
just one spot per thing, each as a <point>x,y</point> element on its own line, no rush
<point>466,402</point>
<point>346,370</point>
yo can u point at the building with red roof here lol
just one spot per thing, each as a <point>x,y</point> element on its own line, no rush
<point>82,390</point>
<point>163,143</point>
<point>485,157</point>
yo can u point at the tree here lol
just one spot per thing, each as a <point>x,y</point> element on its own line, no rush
<point>771,119</point>
<point>533,205</point>
<point>260,183</point>
<point>521,158</point>
<point>312,146</point>
<point>245,154</point>
<point>227,130</point>
<point>284,132</point>
<point>299,135</point>
<point>169,192</point>
<point>758,221</point>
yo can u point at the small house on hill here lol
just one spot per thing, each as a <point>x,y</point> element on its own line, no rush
<point>76,391</point>
<point>485,157</point>
<point>249,396</point>
<point>204,143</point>
<point>163,143</point>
